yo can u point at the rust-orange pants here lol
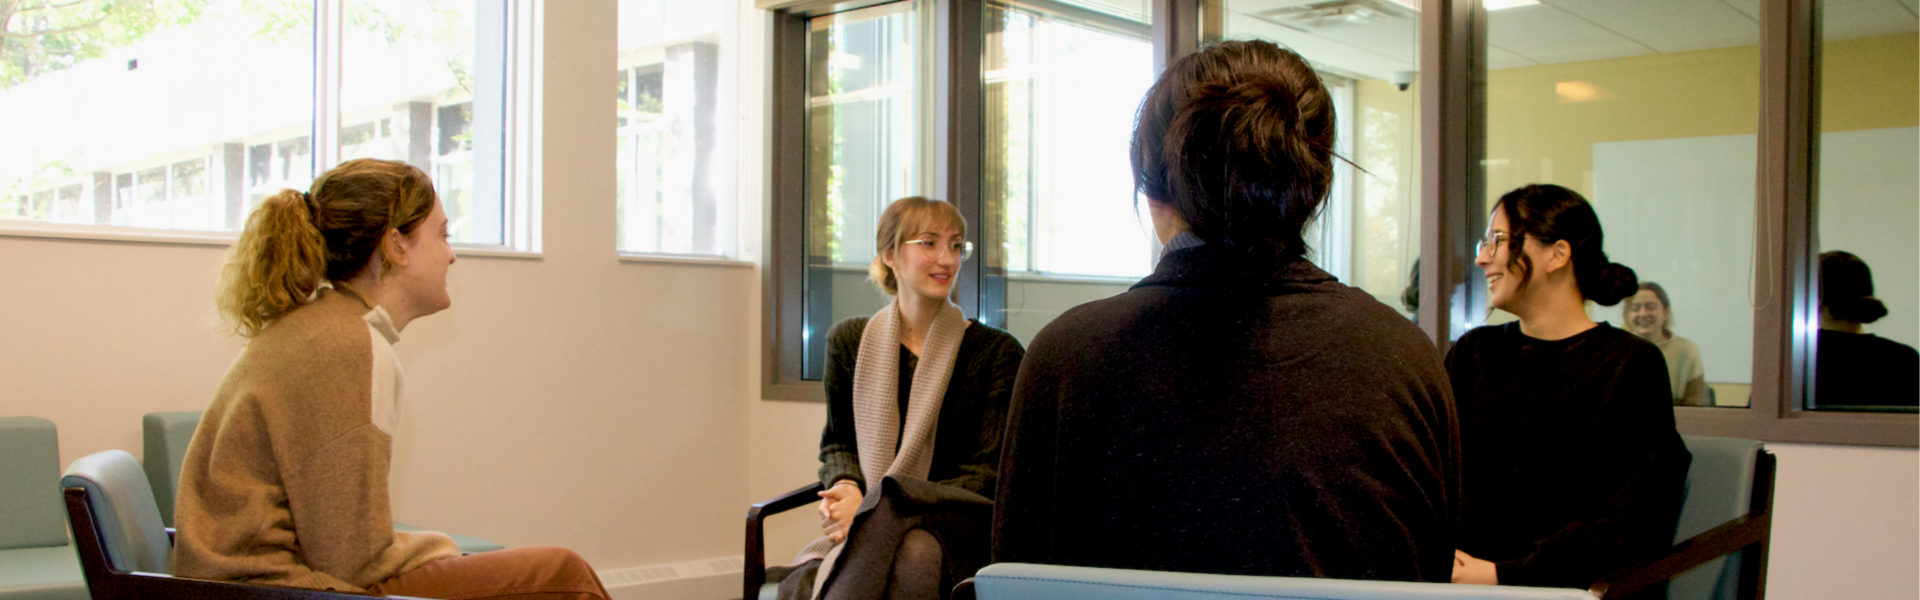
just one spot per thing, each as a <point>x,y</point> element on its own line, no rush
<point>532,573</point>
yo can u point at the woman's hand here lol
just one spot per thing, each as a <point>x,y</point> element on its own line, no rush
<point>837,505</point>
<point>1467,569</point>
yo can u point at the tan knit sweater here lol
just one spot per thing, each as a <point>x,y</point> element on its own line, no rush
<point>285,481</point>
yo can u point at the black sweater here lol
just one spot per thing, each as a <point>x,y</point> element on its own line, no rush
<point>966,443</point>
<point>1572,467</point>
<point>1862,369</point>
<point>1219,419</point>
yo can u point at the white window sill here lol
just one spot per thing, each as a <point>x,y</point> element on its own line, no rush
<point>112,233</point>
<point>685,259</point>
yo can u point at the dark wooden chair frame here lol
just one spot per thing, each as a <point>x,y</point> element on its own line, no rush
<point>755,571</point>
<point>1751,532</point>
<point>105,583</point>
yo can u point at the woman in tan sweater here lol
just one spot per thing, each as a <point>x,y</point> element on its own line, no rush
<point>285,481</point>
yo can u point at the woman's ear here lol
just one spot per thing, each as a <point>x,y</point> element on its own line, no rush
<point>393,248</point>
<point>1559,256</point>
<point>886,258</point>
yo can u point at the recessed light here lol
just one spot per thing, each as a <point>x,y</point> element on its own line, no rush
<point>1493,5</point>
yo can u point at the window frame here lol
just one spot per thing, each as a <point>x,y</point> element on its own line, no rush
<point>520,221</point>
<point>1452,109</point>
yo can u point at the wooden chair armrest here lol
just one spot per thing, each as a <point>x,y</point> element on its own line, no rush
<point>756,554</point>
<point>1730,537</point>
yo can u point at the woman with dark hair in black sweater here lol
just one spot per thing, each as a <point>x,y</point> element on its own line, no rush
<point>1572,466</point>
<point>1238,411</point>
<point>1853,367</point>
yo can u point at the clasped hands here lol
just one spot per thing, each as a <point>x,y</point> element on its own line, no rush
<point>837,505</point>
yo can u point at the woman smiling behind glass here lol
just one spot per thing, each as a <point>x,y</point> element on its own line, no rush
<point>1650,316</point>
<point>1572,467</point>
<point>917,397</point>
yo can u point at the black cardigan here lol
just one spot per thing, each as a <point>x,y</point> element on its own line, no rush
<point>1220,419</point>
<point>1573,468</point>
<point>966,443</point>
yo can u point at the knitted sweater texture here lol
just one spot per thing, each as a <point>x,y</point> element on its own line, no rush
<point>285,481</point>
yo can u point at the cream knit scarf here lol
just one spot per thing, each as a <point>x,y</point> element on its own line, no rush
<point>876,407</point>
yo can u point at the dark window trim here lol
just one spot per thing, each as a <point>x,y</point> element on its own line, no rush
<point>1788,167</point>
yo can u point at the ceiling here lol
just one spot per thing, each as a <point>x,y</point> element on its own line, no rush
<point>1381,40</point>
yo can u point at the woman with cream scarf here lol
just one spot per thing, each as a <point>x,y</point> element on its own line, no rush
<point>917,398</point>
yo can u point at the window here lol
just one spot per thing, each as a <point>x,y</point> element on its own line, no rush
<point>675,110</point>
<point>1062,83</point>
<point>226,109</point>
<point>210,79</point>
<point>1366,52</point>
<point>1868,140</point>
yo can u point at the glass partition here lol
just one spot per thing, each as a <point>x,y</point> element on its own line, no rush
<point>1867,219</point>
<point>1652,116</point>
<point>1367,54</point>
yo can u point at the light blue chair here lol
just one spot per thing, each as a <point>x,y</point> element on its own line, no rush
<point>1725,527</point>
<point>36,563</point>
<point>165,436</point>
<point>1019,581</point>
<point>1719,553</point>
<point>124,549</point>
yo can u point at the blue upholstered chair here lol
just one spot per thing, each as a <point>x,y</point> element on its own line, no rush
<point>1720,544</point>
<point>36,563</point>
<point>1017,581</point>
<point>165,436</point>
<point>1719,553</point>
<point>124,549</point>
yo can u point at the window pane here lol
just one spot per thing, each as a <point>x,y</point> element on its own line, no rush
<point>669,145</point>
<point>422,81</point>
<point>1654,122</point>
<point>864,124</point>
<point>1062,85</point>
<point>1366,51</point>
<point>161,114</point>
<point>1869,143</point>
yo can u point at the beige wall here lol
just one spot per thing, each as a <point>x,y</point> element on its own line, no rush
<point>569,399</point>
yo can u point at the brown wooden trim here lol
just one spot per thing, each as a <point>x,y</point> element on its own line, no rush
<point>782,314</point>
<point>1176,31</point>
<point>1452,134</point>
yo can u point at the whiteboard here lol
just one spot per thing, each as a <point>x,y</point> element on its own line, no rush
<point>1680,213</point>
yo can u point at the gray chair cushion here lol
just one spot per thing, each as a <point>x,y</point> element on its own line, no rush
<point>1016,581</point>
<point>30,484</point>
<point>45,573</point>
<point>123,506</point>
<point>164,439</point>
<point>1719,489</point>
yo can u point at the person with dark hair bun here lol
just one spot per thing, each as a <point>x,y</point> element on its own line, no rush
<point>1573,468</point>
<point>1852,367</point>
<point>1238,411</point>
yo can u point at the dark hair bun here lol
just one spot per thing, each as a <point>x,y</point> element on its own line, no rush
<point>1859,310</point>
<point>1615,282</point>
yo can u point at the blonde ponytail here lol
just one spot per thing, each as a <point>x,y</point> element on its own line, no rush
<point>278,262</point>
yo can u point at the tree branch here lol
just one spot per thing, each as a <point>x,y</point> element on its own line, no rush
<point>52,6</point>
<point>35,35</point>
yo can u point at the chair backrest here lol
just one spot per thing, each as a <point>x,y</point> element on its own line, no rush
<point>1017,581</point>
<point>29,485</point>
<point>164,439</point>
<point>123,510</point>
<point>1720,487</point>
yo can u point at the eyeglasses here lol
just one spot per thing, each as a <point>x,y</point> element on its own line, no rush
<point>963,250</point>
<point>1493,239</point>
